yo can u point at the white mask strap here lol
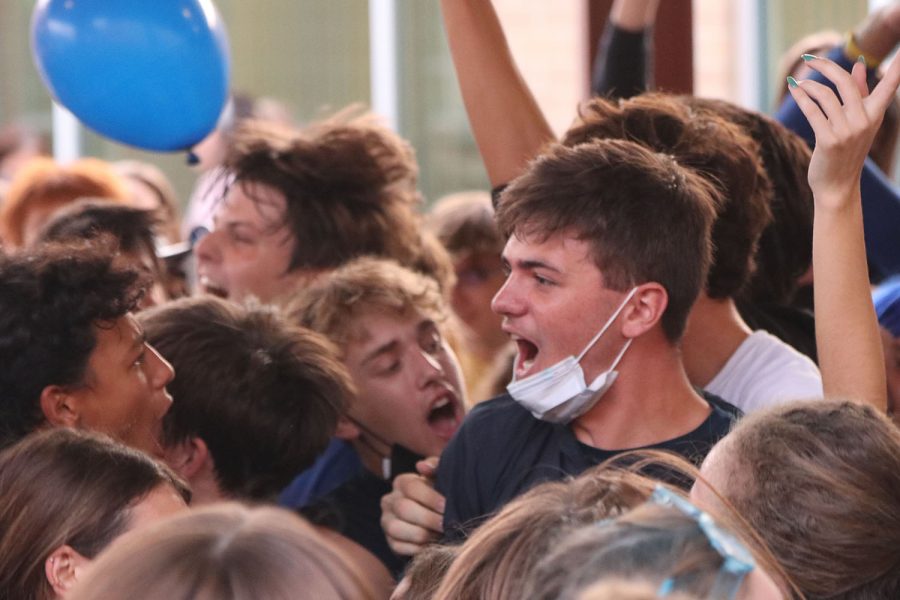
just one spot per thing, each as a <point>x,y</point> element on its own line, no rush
<point>612,318</point>
<point>615,363</point>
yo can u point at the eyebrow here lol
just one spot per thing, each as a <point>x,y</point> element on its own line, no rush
<point>381,351</point>
<point>534,264</point>
<point>139,340</point>
<point>232,225</point>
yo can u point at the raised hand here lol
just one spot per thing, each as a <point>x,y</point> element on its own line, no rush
<point>847,336</point>
<point>844,127</point>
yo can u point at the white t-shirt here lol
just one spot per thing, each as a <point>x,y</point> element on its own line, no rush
<point>763,372</point>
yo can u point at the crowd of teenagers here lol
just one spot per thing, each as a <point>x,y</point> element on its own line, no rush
<point>660,358</point>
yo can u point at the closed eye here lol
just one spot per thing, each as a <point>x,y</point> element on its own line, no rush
<point>390,369</point>
<point>543,280</point>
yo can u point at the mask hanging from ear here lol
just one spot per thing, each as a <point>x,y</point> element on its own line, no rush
<point>559,393</point>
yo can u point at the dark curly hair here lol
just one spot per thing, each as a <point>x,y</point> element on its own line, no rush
<point>51,299</point>
<point>131,228</point>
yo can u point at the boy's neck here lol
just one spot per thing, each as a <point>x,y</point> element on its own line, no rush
<point>714,332</point>
<point>651,401</point>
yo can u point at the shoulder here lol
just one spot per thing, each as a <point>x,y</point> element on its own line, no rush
<point>493,411</point>
<point>494,453</point>
<point>696,444</point>
<point>497,425</point>
<point>780,372</point>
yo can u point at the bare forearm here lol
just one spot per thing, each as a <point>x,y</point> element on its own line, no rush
<point>850,353</point>
<point>633,15</point>
<point>506,121</point>
<point>876,36</point>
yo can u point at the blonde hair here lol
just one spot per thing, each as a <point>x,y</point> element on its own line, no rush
<point>333,304</point>
<point>227,552</point>
<point>425,572</point>
<point>652,542</point>
<point>494,561</point>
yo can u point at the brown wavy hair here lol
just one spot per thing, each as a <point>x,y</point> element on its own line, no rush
<point>350,186</point>
<point>225,551</point>
<point>717,149</point>
<point>820,482</point>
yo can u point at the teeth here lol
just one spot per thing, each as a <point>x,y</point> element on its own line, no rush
<point>440,403</point>
<point>211,287</point>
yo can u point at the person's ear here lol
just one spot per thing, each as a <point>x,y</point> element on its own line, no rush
<point>63,568</point>
<point>644,310</point>
<point>347,429</point>
<point>187,458</point>
<point>60,406</point>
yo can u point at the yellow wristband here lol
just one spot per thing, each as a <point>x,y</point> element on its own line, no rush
<point>853,52</point>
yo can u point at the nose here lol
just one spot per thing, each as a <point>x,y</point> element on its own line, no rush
<point>428,367</point>
<point>162,372</point>
<point>507,301</point>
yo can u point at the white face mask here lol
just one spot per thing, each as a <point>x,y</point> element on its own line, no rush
<point>559,393</point>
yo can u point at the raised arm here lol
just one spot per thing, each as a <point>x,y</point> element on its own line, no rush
<point>850,354</point>
<point>623,64</point>
<point>507,122</point>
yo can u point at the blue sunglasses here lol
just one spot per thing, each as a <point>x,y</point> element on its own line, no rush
<point>738,561</point>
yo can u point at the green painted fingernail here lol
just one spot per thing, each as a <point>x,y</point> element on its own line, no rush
<point>808,57</point>
<point>861,59</point>
<point>791,81</point>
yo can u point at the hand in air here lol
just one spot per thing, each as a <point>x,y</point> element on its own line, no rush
<point>844,132</point>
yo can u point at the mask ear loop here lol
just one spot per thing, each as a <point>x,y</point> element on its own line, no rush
<point>363,439</point>
<point>615,363</point>
<point>609,323</point>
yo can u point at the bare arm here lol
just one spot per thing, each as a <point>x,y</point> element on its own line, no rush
<point>879,33</point>
<point>847,335</point>
<point>633,15</point>
<point>507,122</point>
<point>623,65</point>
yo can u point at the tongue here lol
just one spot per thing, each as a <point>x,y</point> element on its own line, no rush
<point>527,353</point>
<point>443,423</point>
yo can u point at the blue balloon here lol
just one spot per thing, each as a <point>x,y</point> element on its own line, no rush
<point>149,73</point>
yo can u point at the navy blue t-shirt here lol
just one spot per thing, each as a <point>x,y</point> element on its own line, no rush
<point>501,451</point>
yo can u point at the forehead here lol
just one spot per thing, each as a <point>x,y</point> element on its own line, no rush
<point>559,249</point>
<point>253,202</point>
<point>370,328</point>
<point>117,337</point>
